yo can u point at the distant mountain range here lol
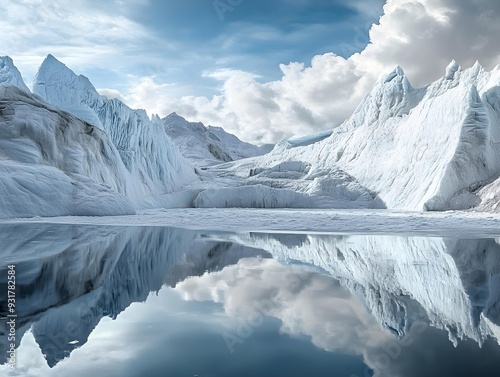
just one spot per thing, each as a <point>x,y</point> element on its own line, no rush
<point>205,146</point>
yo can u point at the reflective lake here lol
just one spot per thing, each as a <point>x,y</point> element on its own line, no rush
<point>146,301</point>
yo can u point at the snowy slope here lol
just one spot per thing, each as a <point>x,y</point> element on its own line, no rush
<point>417,149</point>
<point>154,162</point>
<point>10,75</point>
<point>205,146</point>
<point>52,163</point>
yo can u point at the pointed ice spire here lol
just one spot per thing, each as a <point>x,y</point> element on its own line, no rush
<point>10,75</point>
<point>60,86</point>
<point>451,70</point>
<point>396,72</point>
<point>477,65</point>
<point>51,64</point>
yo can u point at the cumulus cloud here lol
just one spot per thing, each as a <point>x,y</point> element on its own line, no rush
<point>422,36</point>
<point>111,94</point>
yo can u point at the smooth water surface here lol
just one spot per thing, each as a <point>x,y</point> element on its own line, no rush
<point>152,301</point>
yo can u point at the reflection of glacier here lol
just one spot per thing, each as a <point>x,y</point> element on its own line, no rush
<point>452,284</point>
<point>69,277</point>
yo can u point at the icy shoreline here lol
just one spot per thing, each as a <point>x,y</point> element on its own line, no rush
<point>446,224</point>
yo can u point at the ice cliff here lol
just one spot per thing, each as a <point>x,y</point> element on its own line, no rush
<point>82,154</point>
<point>431,148</point>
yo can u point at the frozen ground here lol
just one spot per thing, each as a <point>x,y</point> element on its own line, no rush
<point>446,224</point>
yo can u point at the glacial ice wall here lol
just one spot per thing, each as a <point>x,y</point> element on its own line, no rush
<point>430,148</point>
<point>154,162</point>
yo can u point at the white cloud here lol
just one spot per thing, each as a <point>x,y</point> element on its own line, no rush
<point>84,34</point>
<point>422,36</point>
<point>111,94</point>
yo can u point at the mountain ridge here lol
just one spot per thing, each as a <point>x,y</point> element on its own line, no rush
<point>208,145</point>
<point>420,149</point>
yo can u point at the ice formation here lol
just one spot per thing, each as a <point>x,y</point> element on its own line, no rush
<point>10,75</point>
<point>155,163</point>
<point>431,148</point>
<point>98,157</point>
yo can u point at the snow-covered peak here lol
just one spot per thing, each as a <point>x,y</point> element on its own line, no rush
<point>451,69</point>
<point>396,73</point>
<point>10,75</point>
<point>58,162</point>
<point>427,148</point>
<point>176,121</point>
<point>145,148</point>
<point>392,96</point>
<point>59,85</point>
<point>208,145</point>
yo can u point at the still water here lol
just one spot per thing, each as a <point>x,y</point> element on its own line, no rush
<point>145,301</point>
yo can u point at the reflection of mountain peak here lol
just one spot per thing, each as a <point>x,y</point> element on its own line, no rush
<point>452,284</point>
<point>81,274</point>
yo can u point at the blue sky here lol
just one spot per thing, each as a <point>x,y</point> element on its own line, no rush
<point>255,36</point>
<point>179,42</point>
<point>191,38</point>
<point>263,70</point>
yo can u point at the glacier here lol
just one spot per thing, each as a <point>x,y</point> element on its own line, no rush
<point>86,155</point>
<point>155,163</point>
<point>433,148</point>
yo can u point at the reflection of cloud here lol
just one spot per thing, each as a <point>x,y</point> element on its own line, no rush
<point>306,302</point>
<point>316,305</point>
